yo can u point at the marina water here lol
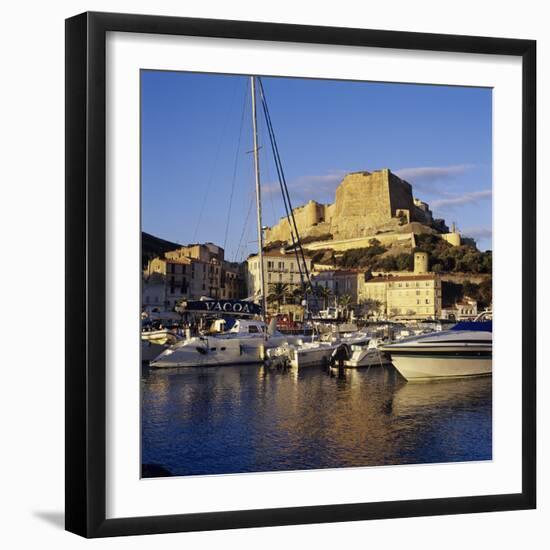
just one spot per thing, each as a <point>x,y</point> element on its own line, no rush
<point>222,420</point>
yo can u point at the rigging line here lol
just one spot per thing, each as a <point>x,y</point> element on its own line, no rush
<point>271,138</point>
<point>214,164</point>
<point>278,165</point>
<point>245,225</point>
<point>269,193</point>
<point>284,188</point>
<point>235,165</point>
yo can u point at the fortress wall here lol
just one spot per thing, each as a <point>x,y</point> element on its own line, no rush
<point>362,242</point>
<point>309,220</point>
<point>401,197</point>
<point>329,212</point>
<point>452,238</point>
<point>365,203</point>
<point>362,201</point>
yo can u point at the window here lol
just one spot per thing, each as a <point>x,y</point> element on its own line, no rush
<point>269,265</point>
<point>427,301</point>
<point>253,329</point>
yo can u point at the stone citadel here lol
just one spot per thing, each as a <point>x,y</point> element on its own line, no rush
<point>367,205</point>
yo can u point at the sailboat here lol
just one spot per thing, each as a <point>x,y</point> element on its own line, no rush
<point>248,340</point>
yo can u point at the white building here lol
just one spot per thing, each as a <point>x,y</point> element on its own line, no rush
<point>279,267</point>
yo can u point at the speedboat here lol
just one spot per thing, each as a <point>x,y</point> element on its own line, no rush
<point>310,354</point>
<point>246,342</point>
<point>317,352</point>
<point>464,350</point>
<point>367,354</point>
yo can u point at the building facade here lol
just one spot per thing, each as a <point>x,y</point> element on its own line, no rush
<point>279,267</point>
<point>192,272</point>
<point>172,275</point>
<point>409,296</point>
<point>339,282</point>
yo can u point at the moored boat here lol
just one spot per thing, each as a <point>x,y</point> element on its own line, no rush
<point>463,351</point>
<point>367,354</point>
<point>246,342</point>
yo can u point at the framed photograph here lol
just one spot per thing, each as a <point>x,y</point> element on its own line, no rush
<point>300,274</point>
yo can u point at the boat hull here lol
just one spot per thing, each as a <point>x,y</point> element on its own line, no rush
<point>422,367</point>
<point>311,357</point>
<point>373,358</point>
<point>216,354</point>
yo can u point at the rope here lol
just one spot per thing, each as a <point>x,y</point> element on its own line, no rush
<point>214,164</point>
<point>235,165</point>
<point>294,234</point>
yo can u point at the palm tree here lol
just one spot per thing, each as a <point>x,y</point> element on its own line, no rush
<point>345,300</point>
<point>278,293</point>
<point>325,293</point>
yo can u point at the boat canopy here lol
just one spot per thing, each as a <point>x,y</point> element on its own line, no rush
<point>485,326</point>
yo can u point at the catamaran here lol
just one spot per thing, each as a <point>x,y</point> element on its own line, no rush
<point>246,342</point>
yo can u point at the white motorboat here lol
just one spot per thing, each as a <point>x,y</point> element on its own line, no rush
<point>367,354</point>
<point>465,350</point>
<point>317,352</point>
<point>310,354</point>
<point>246,342</point>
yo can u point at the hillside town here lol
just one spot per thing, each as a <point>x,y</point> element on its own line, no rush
<point>375,253</point>
<point>298,321</point>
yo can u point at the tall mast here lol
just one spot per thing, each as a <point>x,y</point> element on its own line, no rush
<point>258,199</point>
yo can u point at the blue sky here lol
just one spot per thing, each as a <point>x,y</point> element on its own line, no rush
<point>197,170</point>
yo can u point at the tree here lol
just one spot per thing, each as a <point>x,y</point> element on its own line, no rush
<point>344,301</point>
<point>362,257</point>
<point>325,293</point>
<point>369,305</point>
<point>485,293</point>
<point>278,292</point>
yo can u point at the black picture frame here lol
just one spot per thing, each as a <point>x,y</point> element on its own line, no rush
<point>86,275</point>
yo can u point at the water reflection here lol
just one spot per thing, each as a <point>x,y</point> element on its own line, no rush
<point>248,419</point>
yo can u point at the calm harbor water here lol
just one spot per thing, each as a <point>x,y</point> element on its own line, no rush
<point>222,420</point>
